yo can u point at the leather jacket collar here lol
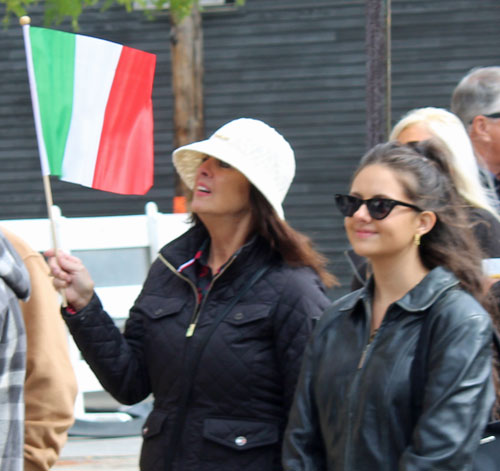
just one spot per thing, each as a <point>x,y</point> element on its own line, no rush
<point>419,298</point>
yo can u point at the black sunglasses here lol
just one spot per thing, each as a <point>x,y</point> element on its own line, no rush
<point>379,208</point>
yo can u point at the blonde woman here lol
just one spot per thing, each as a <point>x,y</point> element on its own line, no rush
<point>437,123</point>
<point>425,123</point>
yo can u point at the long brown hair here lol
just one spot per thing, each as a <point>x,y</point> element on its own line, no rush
<point>294,247</point>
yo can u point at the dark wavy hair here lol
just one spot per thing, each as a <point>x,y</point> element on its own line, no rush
<point>423,171</point>
<point>294,247</point>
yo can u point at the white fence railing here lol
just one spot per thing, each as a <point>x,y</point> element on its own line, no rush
<point>117,251</point>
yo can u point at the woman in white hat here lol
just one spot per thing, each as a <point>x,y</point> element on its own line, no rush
<point>218,331</point>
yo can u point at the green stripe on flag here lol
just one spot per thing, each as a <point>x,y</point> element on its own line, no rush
<point>53,55</point>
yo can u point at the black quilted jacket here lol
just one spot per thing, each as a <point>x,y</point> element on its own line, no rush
<point>246,377</point>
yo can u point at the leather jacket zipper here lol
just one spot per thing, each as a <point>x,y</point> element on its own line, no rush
<point>365,350</point>
<point>354,387</point>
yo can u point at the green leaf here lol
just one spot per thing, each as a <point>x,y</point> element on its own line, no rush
<point>56,11</point>
<point>14,8</point>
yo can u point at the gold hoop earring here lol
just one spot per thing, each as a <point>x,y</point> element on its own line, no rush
<point>416,239</point>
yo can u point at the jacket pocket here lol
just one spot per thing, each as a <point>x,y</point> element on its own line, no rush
<point>244,314</point>
<point>154,434</point>
<point>239,444</point>
<point>158,307</point>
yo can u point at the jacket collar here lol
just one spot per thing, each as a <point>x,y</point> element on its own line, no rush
<point>184,247</point>
<point>253,254</point>
<point>419,298</point>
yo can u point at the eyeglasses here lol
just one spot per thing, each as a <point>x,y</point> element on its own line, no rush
<point>492,115</point>
<point>378,208</point>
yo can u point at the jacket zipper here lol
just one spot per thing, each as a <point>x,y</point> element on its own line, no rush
<point>196,315</point>
<point>365,350</point>
<point>354,387</point>
<point>199,306</point>
<point>190,332</point>
<point>362,362</point>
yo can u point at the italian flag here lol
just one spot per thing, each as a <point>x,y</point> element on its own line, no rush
<point>93,110</point>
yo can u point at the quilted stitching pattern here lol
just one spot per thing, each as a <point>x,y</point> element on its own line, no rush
<point>247,373</point>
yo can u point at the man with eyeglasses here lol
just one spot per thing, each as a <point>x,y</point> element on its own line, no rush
<point>476,101</point>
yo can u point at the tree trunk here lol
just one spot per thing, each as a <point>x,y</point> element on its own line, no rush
<point>377,71</point>
<point>187,84</point>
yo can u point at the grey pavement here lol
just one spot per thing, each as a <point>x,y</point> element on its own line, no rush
<point>84,451</point>
<point>85,454</point>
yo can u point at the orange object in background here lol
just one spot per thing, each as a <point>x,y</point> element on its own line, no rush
<point>180,205</point>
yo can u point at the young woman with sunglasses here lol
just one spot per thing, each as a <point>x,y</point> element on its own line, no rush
<point>355,407</point>
<point>437,123</point>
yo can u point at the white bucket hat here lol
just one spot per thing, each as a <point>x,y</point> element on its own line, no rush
<point>255,149</point>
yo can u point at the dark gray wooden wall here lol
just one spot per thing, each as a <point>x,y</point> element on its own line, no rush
<point>297,64</point>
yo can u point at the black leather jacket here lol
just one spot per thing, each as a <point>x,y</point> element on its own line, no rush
<point>353,405</point>
<point>246,377</point>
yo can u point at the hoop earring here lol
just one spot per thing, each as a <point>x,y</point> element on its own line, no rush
<point>416,239</point>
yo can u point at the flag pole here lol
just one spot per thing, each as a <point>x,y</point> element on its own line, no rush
<point>25,22</point>
<point>48,199</point>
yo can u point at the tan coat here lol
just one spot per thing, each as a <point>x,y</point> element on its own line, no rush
<point>50,386</point>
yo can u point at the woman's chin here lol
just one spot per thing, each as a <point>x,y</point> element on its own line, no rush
<point>362,248</point>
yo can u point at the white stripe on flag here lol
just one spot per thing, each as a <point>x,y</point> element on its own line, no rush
<point>95,66</point>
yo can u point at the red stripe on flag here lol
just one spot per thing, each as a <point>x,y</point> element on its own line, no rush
<point>125,157</point>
